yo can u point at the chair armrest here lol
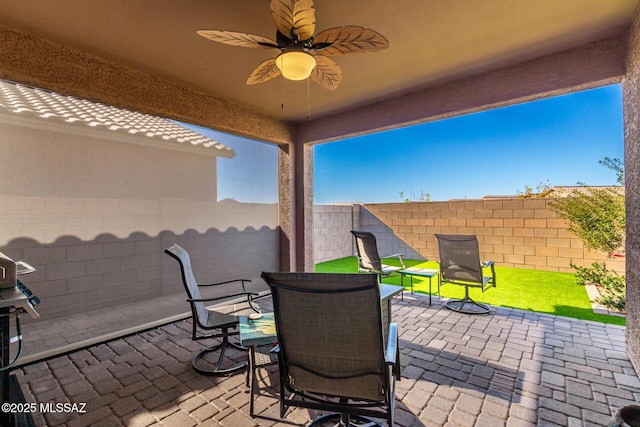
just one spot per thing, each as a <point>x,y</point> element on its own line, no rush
<point>392,343</point>
<point>228,281</point>
<point>244,290</point>
<point>392,256</point>
<point>493,271</point>
<point>399,256</point>
<point>247,294</point>
<point>393,350</point>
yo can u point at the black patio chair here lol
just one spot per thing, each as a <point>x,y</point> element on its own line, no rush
<point>232,300</point>
<point>369,258</point>
<point>460,264</point>
<point>332,355</point>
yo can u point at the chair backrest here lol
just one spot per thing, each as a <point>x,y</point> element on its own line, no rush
<point>459,258</point>
<point>188,279</point>
<point>367,248</point>
<point>329,330</point>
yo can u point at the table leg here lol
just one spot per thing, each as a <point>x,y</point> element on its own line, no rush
<point>251,373</point>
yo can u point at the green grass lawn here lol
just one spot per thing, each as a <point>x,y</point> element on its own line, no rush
<point>533,290</point>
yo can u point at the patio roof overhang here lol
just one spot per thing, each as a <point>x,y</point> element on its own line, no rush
<point>444,59</point>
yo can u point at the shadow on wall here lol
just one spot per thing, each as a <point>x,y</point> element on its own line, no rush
<point>388,242</point>
<point>74,276</point>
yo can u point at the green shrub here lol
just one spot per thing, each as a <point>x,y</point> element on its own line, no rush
<point>596,216</point>
<point>612,287</point>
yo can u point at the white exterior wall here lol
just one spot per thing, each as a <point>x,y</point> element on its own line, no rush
<point>332,227</point>
<point>93,210</point>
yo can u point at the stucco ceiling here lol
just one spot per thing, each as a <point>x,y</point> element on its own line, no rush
<point>431,41</point>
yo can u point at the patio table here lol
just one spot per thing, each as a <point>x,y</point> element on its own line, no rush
<point>259,336</point>
<point>421,272</point>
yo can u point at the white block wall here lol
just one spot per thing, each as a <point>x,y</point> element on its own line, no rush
<point>93,211</point>
<point>332,231</point>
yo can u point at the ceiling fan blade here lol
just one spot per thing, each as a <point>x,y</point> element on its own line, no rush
<point>238,39</point>
<point>296,19</point>
<point>350,39</point>
<point>326,73</point>
<point>263,72</point>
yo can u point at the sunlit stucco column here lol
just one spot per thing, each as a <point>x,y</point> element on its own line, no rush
<point>631,104</point>
<point>295,164</point>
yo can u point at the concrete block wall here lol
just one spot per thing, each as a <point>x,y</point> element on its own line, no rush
<point>332,237</point>
<point>387,240</point>
<point>75,276</point>
<point>521,233</point>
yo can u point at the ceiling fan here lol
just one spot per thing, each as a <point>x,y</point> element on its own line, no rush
<point>302,54</point>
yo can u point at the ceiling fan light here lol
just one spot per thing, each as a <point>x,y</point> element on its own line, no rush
<point>295,65</point>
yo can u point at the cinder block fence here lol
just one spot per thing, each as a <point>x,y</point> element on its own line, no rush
<point>521,233</point>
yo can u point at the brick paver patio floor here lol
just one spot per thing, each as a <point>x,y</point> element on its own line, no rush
<point>509,368</point>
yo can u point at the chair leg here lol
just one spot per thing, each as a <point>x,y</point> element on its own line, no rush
<point>466,305</point>
<point>344,420</point>
<point>222,348</point>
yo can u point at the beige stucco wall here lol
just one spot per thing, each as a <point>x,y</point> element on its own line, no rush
<point>521,233</point>
<point>631,104</point>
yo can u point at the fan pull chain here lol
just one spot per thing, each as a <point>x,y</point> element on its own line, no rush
<point>282,93</point>
<point>308,102</point>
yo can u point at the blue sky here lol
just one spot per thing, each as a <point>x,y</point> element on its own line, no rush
<point>497,152</point>
<point>251,176</point>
